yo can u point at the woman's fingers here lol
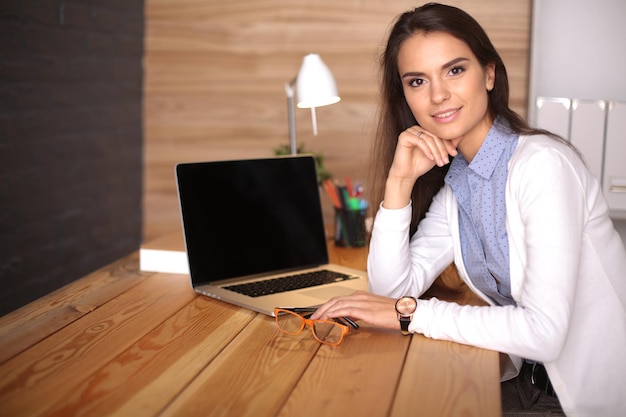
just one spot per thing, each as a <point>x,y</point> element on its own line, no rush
<point>437,150</point>
<point>361,305</point>
<point>417,152</point>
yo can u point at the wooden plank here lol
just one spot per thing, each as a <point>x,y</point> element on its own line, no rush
<point>170,242</point>
<point>34,322</point>
<point>57,365</point>
<point>351,257</point>
<point>147,376</point>
<point>448,379</point>
<point>346,381</point>
<point>253,376</point>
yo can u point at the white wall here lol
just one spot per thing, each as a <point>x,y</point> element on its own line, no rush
<point>578,50</point>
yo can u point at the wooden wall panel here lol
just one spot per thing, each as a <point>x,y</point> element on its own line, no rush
<point>215,73</point>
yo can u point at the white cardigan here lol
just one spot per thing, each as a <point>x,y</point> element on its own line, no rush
<point>568,277</point>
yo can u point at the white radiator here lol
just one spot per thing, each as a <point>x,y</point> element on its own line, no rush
<point>598,129</point>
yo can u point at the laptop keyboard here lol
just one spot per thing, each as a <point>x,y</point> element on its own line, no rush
<point>289,283</point>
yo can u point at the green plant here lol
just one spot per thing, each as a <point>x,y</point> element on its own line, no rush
<point>322,172</point>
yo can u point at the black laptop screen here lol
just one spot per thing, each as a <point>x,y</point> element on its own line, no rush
<point>249,217</point>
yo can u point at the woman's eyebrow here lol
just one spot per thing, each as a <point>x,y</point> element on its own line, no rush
<point>454,62</point>
<point>444,66</point>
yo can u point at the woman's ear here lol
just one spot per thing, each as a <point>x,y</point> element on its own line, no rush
<point>490,76</point>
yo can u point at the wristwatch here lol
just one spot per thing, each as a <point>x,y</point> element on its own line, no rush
<point>405,307</point>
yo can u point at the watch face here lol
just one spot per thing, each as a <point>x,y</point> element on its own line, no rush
<point>406,305</point>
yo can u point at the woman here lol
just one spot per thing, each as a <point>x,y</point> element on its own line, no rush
<point>516,210</point>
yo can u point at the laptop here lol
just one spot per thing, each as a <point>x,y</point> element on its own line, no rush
<point>255,224</point>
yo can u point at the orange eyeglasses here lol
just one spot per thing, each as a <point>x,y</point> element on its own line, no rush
<point>329,332</point>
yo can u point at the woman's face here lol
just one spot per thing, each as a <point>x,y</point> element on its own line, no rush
<point>446,88</point>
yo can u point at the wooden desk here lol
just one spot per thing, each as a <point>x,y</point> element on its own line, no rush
<point>130,343</point>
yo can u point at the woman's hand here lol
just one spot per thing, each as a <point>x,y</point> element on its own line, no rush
<point>371,308</point>
<point>417,152</point>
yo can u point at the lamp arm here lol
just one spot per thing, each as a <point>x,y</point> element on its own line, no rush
<point>289,91</point>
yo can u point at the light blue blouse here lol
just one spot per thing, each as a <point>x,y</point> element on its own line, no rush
<point>479,188</point>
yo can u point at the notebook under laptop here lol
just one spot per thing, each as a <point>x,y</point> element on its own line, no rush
<point>253,220</point>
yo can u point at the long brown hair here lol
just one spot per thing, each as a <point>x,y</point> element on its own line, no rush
<point>395,116</point>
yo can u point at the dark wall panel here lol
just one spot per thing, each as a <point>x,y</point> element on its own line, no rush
<point>70,141</point>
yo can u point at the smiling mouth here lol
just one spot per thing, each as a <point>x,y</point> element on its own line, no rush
<point>445,114</point>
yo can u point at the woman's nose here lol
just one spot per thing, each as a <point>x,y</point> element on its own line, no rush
<point>438,92</point>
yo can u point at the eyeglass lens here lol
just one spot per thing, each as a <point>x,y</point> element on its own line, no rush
<point>324,331</point>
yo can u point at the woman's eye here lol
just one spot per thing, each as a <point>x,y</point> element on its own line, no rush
<point>416,82</point>
<point>456,70</point>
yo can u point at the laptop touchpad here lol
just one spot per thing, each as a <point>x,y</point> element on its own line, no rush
<point>329,292</point>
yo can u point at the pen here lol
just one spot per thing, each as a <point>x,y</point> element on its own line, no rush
<point>350,322</point>
<point>331,191</point>
<point>313,309</point>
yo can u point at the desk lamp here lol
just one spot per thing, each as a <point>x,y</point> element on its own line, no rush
<point>315,87</point>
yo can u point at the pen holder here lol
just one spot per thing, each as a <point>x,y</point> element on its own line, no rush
<point>350,227</point>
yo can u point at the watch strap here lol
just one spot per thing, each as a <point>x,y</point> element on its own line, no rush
<point>404,324</point>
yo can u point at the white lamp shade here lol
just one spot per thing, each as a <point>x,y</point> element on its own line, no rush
<point>315,84</point>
